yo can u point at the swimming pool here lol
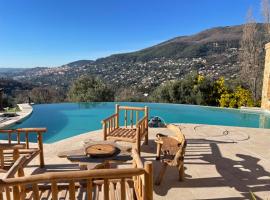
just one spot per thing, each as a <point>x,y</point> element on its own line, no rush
<point>69,119</point>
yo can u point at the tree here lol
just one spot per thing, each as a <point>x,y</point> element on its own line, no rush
<point>162,93</point>
<point>266,15</point>
<point>193,89</point>
<point>129,95</point>
<point>45,95</point>
<point>251,48</point>
<point>89,89</point>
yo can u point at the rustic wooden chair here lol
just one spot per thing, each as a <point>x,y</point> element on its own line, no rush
<point>16,170</point>
<point>129,132</point>
<point>135,182</point>
<point>172,150</point>
<point>11,149</point>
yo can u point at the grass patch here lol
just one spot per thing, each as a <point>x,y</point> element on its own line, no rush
<point>12,110</point>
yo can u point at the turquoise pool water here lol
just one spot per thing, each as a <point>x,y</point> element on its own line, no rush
<point>69,119</point>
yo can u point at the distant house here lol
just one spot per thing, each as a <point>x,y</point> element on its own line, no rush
<point>145,94</point>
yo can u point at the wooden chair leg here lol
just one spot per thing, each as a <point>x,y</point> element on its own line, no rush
<point>158,151</point>
<point>138,144</point>
<point>7,191</point>
<point>161,174</point>
<point>16,192</point>
<point>181,172</point>
<point>16,154</point>
<point>2,159</point>
<point>146,139</point>
<point>138,141</point>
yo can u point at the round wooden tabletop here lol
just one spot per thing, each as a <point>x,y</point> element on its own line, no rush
<point>100,150</point>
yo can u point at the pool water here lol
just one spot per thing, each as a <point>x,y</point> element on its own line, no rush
<point>65,120</point>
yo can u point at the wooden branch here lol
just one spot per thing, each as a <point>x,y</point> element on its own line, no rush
<point>131,108</point>
<point>137,159</point>
<point>74,175</point>
<point>108,118</point>
<point>32,130</point>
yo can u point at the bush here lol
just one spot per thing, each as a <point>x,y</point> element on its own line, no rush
<point>194,89</point>
<point>197,89</point>
<point>45,95</point>
<point>89,89</point>
<point>239,97</point>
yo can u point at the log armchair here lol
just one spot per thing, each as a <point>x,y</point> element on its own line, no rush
<point>15,142</point>
<point>172,149</point>
<point>134,129</point>
<point>134,182</point>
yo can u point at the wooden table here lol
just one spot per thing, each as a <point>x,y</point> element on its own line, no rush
<point>86,162</point>
<point>101,150</point>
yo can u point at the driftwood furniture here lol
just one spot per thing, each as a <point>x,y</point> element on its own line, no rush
<point>172,150</point>
<point>134,129</point>
<point>14,146</point>
<point>86,162</point>
<point>126,183</point>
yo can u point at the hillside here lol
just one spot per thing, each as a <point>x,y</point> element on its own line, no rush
<point>212,52</point>
<point>197,45</point>
<point>10,85</point>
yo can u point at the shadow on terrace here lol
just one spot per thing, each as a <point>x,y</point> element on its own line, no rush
<point>243,174</point>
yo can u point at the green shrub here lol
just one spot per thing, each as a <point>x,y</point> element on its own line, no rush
<point>89,89</point>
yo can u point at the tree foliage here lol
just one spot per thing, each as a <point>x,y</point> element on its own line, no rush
<point>89,89</point>
<point>196,89</point>
<point>239,97</point>
<point>43,95</point>
<point>129,95</point>
<point>251,54</point>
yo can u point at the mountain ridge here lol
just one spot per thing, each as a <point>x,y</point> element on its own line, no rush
<point>212,52</point>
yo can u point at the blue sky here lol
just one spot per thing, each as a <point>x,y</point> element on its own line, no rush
<point>55,32</point>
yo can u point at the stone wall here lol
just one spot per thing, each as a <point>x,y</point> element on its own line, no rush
<point>266,80</point>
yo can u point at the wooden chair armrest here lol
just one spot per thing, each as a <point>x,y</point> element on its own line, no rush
<point>12,146</point>
<point>159,135</point>
<point>6,131</point>
<point>158,141</point>
<point>108,118</point>
<point>33,130</point>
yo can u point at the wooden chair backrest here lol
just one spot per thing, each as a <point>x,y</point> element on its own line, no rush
<point>24,133</point>
<point>131,114</point>
<point>14,136</point>
<point>180,137</point>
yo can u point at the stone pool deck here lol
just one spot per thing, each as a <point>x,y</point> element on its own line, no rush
<point>221,162</point>
<point>25,111</point>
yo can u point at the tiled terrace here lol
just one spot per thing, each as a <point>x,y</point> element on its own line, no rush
<point>221,162</point>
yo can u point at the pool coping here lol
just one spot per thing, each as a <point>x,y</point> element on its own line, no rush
<point>25,111</point>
